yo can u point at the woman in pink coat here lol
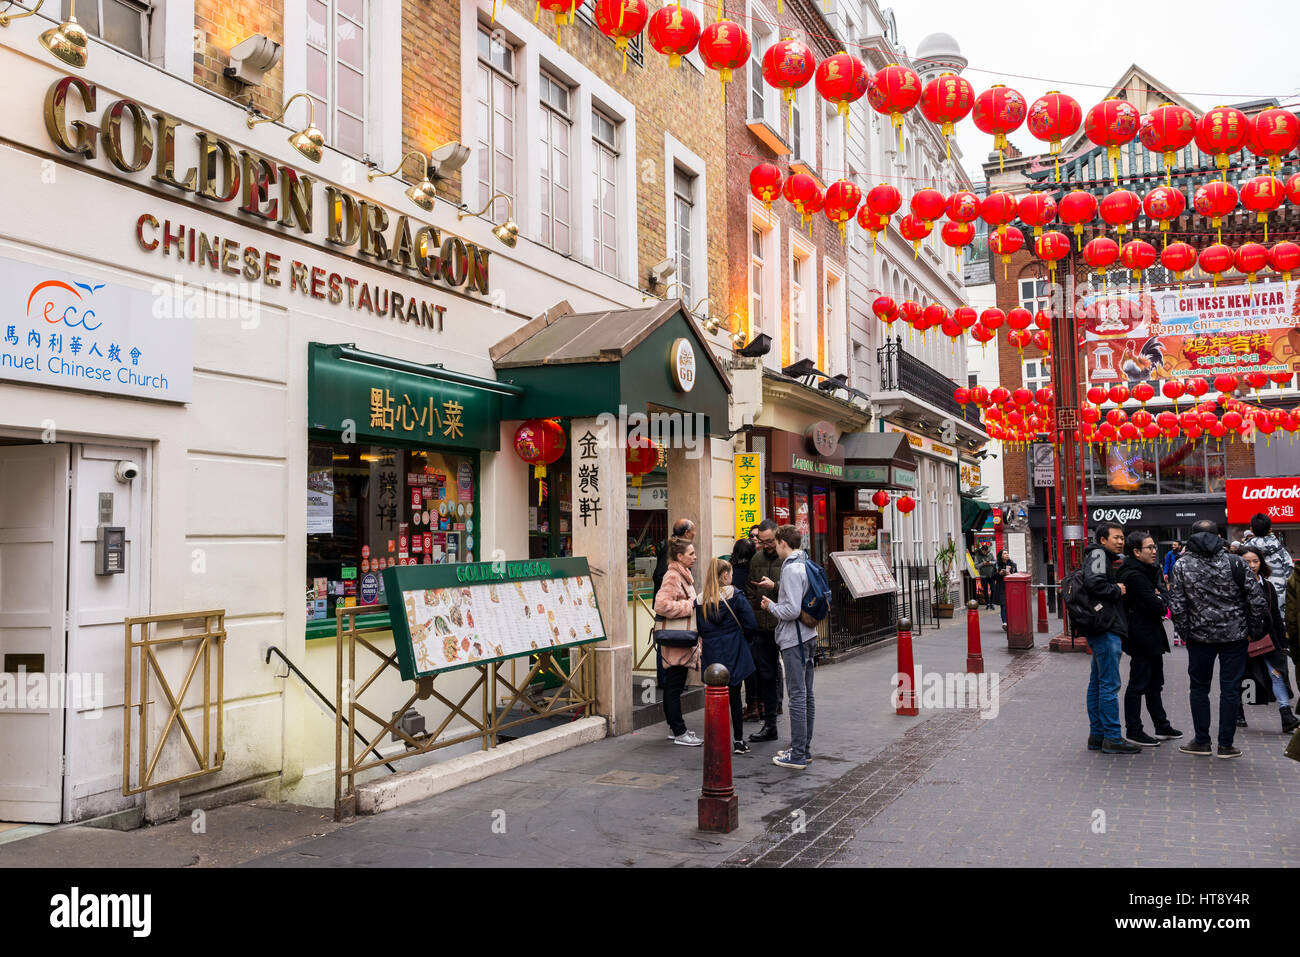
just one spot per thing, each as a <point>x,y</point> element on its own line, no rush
<point>675,600</point>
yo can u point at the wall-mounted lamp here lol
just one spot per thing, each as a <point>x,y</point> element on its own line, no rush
<point>309,142</point>
<point>7,18</point>
<point>423,193</point>
<point>67,41</point>
<point>252,58</point>
<point>507,232</point>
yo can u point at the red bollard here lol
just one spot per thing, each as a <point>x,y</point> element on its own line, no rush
<point>974,656</point>
<point>718,806</point>
<point>1042,609</point>
<point>907,692</point>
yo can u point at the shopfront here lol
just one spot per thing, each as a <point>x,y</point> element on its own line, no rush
<point>803,475</point>
<point>1278,497</point>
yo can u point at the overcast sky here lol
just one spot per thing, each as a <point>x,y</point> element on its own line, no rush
<point>1211,53</point>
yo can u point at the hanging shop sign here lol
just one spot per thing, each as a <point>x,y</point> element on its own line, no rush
<point>681,365</point>
<point>970,475</point>
<point>1132,338</point>
<point>241,181</point>
<point>747,472</point>
<point>447,617</point>
<point>822,439</point>
<point>789,451</point>
<point>926,444</point>
<point>67,330</point>
<point>1278,498</point>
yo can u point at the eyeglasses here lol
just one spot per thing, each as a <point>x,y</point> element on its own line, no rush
<point>1150,548</point>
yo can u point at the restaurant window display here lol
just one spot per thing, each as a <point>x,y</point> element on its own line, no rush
<point>1160,467</point>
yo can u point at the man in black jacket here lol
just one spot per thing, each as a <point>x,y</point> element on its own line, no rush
<point>1106,641</point>
<point>1213,598</point>
<point>765,582</point>
<point>1146,599</point>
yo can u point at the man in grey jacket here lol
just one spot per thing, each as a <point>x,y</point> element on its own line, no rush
<point>797,642</point>
<point>1276,556</point>
<point>1213,599</point>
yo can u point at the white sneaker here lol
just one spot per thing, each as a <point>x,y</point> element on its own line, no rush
<point>688,739</point>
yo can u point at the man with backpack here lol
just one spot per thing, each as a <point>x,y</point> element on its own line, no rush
<point>797,640</point>
<point>1218,606</point>
<point>1095,602</point>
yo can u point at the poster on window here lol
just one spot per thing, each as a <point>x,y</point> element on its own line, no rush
<point>320,492</point>
<point>1198,331</point>
<point>860,531</point>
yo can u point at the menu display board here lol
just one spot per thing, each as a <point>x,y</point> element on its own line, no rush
<point>449,617</point>
<point>859,530</point>
<point>865,573</point>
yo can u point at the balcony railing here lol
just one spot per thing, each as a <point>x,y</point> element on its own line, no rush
<point>900,371</point>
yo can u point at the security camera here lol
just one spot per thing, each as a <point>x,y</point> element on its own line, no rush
<point>126,471</point>
<point>252,59</point>
<point>448,158</point>
<point>662,272</point>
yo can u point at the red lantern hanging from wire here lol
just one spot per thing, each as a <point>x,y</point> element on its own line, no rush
<point>992,318</point>
<point>621,20</point>
<point>998,209</point>
<point>674,31</point>
<point>874,223</point>
<point>724,46</point>
<point>905,504</point>
<point>928,205</point>
<point>540,442</point>
<point>1284,257</point>
<point>913,229</point>
<point>562,12</point>
<point>1215,200</point>
<point>1216,260</point>
<point>842,200</point>
<point>765,180</point>
<point>1273,134</point>
<point>1051,247</point>
<point>1006,243</point>
<point>1292,187</point>
<point>945,101</point>
<point>1112,123</point>
<point>894,91</point>
<point>1166,130</point>
<point>1100,254</point>
<point>1120,208</point>
<point>842,79</point>
<point>804,194</point>
<point>885,309</point>
<point>1220,133</point>
<point>788,65</point>
<point>1053,118</point>
<point>1138,256</point>
<point>1076,209</point>
<point>1250,258</point>
<point>1178,258</point>
<point>957,236</point>
<point>1036,210</point>
<point>1262,195</point>
<point>999,111</point>
<point>1164,204</point>
<point>884,199</point>
<point>880,498</point>
<point>963,207</point>
<point>640,458</point>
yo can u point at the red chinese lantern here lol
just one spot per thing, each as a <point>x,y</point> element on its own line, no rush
<point>1220,133</point>
<point>1044,396</point>
<point>1101,253</point>
<point>999,110</point>
<point>842,79</point>
<point>1281,378</point>
<point>1043,319</point>
<point>1116,417</point>
<point>1215,200</point>
<point>1144,393</point>
<point>1096,395</point>
<point>1112,123</point>
<point>1000,395</point>
<point>1284,257</point>
<point>1225,383</point>
<point>980,396</point>
<point>998,209</point>
<point>1256,380</point>
<point>1036,210</point>
<point>1137,256</point>
<point>764,179</point>
<point>950,328</point>
<point>842,200</point>
<point>640,458</point>
<point>1043,340</point>
<point>963,207</point>
<point>674,32</point>
<point>1197,386</point>
<point>1261,195</point>
<point>966,316</point>
<point>905,504</point>
<point>1052,247</point>
<point>621,20</point>
<point>788,65</point>
<point>562,11</point>
<point>1020,338</point>
<point>724,46</point>
<point>880,498</point>
<point>945,101</point>
<point>540,442</point>
<point>957,236</point>
<point>1273,134</point>
<point>1173,389</point>
<point>1250,258</point>
<point>1006,242</point>
<point>1166,130</point>
<point>1178,258</point>
<point>1164,204</point>
<point>992,317</point>
<point>932,316</point>
<point>894,91</point>
<point>982,334</point>
<point>885,309</point>
<point>911,312</point>
<point>1232,420</point>
<point>884,199</point>
<point>1053,118</point>
<point>914,230</point>
<point>1215,260</point>
<point>1022,396</point>
<point>1119,394</point>
<point>803,193</point>
<point>1020,318</point>
<point>874,223</point>
<point>1120,209</point>
<point>1292,186</point>
<point>928,205</point>
<point>1077,208</point>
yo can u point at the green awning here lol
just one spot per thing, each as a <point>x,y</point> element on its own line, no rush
<point>973,513</point>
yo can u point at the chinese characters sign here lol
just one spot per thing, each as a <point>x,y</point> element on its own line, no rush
<point>391,405</point>
<point>588,480</point>
<point>747,470</point>
<point>64,329</point>
<point>1278,498</point>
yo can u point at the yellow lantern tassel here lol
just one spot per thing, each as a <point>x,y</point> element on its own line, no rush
<point>494,11</point>
<point>537,14</point>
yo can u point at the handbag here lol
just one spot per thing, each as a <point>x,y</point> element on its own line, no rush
<point>676,632</point>
<point>1260,646</point>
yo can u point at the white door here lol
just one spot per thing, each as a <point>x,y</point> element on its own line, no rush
<point>33,602</point>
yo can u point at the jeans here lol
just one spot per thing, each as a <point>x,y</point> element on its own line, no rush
<point>674,683</point>
<point>1146,677</point>
<point>1200,668</point>
<point>737,719</point>
<point>1103,686</point>
<point>988,592</point>
<point>1004,611</point>
<point>1280,689</point>
<point>799,686</point>
<point>766,655</point>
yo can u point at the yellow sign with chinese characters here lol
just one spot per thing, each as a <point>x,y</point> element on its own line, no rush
<point>747,470</point>
<point>428,418</point>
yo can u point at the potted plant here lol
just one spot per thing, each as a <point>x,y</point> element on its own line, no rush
<point>944,560</point>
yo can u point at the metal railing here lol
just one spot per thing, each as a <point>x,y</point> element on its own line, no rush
<point>900,371</point>
<point>857,622</point>
<point>915,595</point>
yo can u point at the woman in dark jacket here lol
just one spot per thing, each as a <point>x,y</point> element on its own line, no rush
<point>1268,671</point>
<point>741,555</point>
<point>1146,599</point>
<point>724,621</point>
<point>1005,567</point>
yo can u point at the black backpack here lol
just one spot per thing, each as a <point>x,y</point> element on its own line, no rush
<point>1084,612</point>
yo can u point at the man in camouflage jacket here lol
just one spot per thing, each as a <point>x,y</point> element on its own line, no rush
<point>1213,601</point>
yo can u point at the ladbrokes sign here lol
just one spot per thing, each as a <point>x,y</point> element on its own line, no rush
<point>1278,498</point>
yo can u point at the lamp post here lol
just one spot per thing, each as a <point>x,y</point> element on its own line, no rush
<point>1065,384</point>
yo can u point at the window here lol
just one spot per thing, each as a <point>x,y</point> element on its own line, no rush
<point>371,507</point>
<point>796,129</point>
<point>556,133</point>
<point>832,325</point>
<point>495,94</point>
<point>123,23</point>
<point>757,283</point>
<point>604,236</point>
<point>764,103</point>
<point>798,305</point>
<point>683,210</point>
<point>1159,467</point>
<point>1036,375</point>
<point>336,70</point>
<point>1034,294</point>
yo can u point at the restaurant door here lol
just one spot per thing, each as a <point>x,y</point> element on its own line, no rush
<point>807,506</point>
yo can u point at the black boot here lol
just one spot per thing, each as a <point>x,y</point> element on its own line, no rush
<point>1289,721</point>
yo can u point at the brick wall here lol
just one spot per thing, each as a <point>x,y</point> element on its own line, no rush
<point>220,26</point>
<point>431,81</point>
<point>1022,265</point>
